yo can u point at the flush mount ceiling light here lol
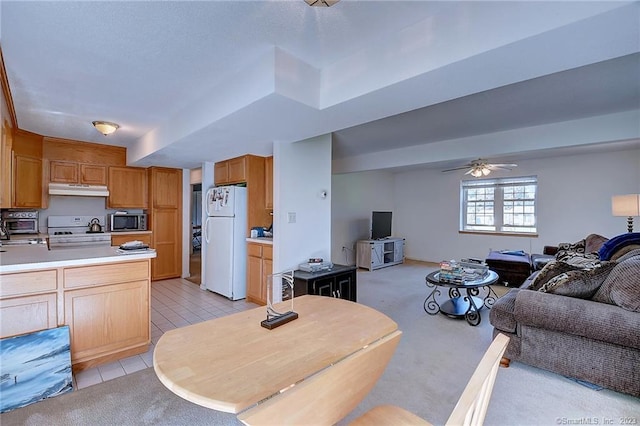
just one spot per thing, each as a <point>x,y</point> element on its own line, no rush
<point>105,127</point>
<point>321,3</point>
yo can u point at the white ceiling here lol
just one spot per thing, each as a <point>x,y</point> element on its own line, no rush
<point>203,81</point>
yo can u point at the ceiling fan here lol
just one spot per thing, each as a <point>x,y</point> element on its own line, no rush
<point>480,167</point>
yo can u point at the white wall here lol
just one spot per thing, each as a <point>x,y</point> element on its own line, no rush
<point>574,199</point>
<point>355,196</point>
<point>301,171</point>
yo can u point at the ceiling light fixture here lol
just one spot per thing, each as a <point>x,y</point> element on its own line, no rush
<point>321,3</point>
<point>480,170</point>
<point>105,127</point>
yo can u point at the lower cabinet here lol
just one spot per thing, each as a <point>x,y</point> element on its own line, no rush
<point>338,282</point>
<point>106,306</point>
<point>259,267</point>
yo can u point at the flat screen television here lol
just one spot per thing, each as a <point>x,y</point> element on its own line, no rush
<point>380,225</point>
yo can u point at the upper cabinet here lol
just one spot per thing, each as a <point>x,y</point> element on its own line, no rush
<point>166,191</point>
<point>231,171</point>
<point>268,183</point>
<point>27,171</point>
<point>127,188</point>
<point>27,180</point>
<point>6,179</point>
<point>71,172</point>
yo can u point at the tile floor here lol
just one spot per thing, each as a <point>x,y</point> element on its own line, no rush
<point>174,303</point>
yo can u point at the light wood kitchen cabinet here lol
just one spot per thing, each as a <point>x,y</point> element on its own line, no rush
<point>25,310</point>
<point>165,219</point>
<point>106,306</point>
<point>268,183</point>
<point>119,239</point>
<point>105,319</point>
<point>27,182</point>
<point>71,172</point>
<point>231,171</point>
<point>6,178</point>
<point>127,188</point>
<point>259,267</point>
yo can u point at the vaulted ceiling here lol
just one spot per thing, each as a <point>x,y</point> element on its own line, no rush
<point>203,81</point>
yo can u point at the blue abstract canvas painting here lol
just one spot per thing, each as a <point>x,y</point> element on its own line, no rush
<point>34,366</point>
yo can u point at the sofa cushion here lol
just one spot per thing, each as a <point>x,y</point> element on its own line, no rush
<point>564,248</point>
<point>581,283</point>
<point>622,286</point>
<point>580,317</point>
<point>628,255</point>
<point>549,271</point>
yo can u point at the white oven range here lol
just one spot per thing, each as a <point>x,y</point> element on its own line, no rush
<point>74,231</point>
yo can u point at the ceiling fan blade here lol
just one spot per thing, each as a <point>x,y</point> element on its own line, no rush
<point>457,168</point>
<point>469,172</point>
<point>502,165</point>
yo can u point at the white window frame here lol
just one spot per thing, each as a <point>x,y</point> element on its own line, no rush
<point>484,200</point>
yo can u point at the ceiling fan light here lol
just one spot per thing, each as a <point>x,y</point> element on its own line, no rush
<point>105,127</point>
<point>476,172</point>
<point>485,171</point>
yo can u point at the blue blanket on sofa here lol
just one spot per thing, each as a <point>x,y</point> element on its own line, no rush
<point>614,244</point>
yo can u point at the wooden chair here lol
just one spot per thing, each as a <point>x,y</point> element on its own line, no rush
<point>471,407</point>
<point>331,394</point>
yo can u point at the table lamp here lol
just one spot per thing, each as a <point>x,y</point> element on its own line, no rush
<point>626,205</point>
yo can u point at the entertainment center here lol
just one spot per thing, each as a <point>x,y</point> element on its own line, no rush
<point>376,254</point>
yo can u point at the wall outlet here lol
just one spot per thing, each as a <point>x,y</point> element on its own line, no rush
<point>291,217</point>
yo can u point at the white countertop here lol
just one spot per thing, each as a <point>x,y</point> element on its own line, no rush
<point>36,256</point>
<point>261,240</point>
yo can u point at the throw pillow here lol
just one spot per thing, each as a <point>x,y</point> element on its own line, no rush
<point>549,271</point>
<point>582,260</point>
<point>582,283</point>
<point>593,242</point>
<point>622,286</point>
<point>566,249</point>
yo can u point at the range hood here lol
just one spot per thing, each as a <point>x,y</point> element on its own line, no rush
<point>78,189</point>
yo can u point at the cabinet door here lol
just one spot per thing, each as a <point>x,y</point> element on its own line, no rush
<point>237,170</point>
<point>377,255</point>
<point>63,172</point>
<point>27,181</point>
<point>221,173</point>
<point>255,291</point>
<point>104,319</point>
<point>267,269</point>
<point>6,179</point>
<point>91,174</point>
<point>166,184</point>
<point>398,251</point>
<point>345,287</point>
<point>268,182</point>
<point>165,224</point>
<point>323,287</point>
<point>127,188</point>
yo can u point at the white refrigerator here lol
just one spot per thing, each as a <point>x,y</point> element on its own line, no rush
<point>225,230</point>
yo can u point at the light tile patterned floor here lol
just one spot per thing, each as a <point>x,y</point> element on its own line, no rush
<point>174,303</point>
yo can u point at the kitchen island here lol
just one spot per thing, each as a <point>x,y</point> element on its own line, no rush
<point>103,296</point>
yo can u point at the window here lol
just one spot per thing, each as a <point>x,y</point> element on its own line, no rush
<point>499,205</point>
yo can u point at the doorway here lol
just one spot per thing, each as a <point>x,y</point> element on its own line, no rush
<point>195,259</point>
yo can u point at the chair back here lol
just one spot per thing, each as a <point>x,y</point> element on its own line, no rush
<point>471,408</point>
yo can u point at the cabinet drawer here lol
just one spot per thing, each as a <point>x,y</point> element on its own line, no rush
<point>254,250</point>
<point>106,274</point>
<point>28,283</point>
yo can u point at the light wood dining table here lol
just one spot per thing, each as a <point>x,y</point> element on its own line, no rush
<point>232,363</point>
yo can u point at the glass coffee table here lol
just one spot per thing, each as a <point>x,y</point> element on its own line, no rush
<point>464,301</point>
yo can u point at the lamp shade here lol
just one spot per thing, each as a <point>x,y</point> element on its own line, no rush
<point>625,205</point>
<point>105,127</point>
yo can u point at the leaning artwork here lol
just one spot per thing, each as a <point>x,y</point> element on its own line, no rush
<point>34,366</point>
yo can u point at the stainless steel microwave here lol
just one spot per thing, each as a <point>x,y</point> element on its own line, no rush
<point>127,222</point>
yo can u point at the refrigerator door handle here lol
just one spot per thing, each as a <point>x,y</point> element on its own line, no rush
<point>206,230</point>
